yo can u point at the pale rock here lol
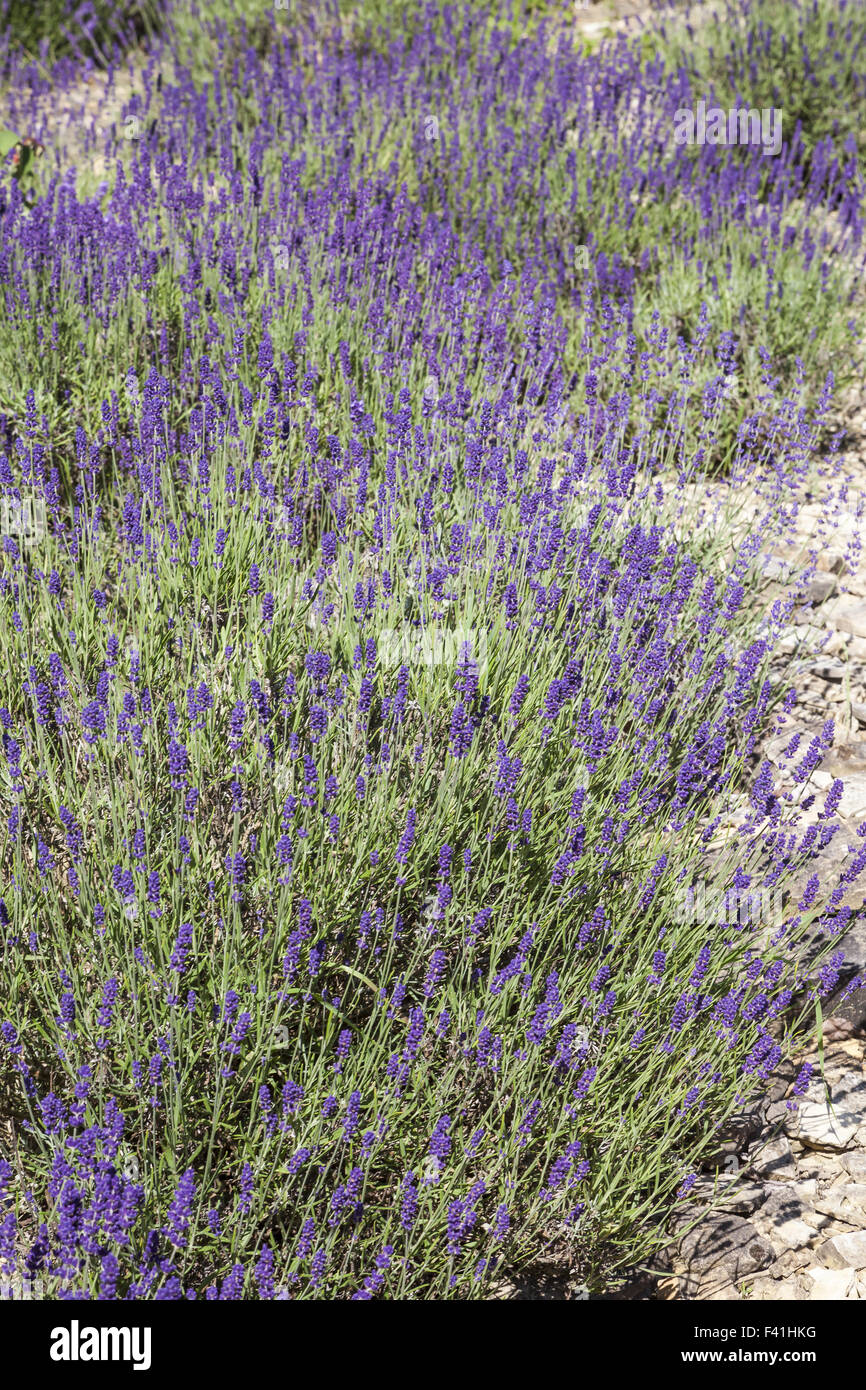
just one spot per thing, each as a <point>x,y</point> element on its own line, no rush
<point>853,943</point>
<point>844,1251</point>
<point>773,567</point>
<point>776,1113</point>
<point>820,588</point>
<point>816,1220</point>
<point>846,1203</point>
<point>855,1164</point>
<point>835,644</point>
<point>844,730</point>
<point>832,670</point>
<point>724,1293</point>
<point>817,1126</point>
<point>722,1249</point>
<point>853,799</point>
<point>832,1283</point>
<point>847,614</point>
<point>766,1290</point>
<point>787,1222</point>
<point>790,1235</point>
<point>834,562</point>
<point>731,1194</point>
<point>789,1262</point>
<point>807,636</point>
<point>813,1164</point>
<point>775,1160</point>
<point>848,1088</point>
<point>847,760</point>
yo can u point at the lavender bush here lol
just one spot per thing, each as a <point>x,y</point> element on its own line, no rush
<point>85,30</point>
<point>804,55</point>
<point>332,976</point>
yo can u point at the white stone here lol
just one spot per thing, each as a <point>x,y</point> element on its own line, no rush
<point>791,1235</point>
<point>832,1283</point>
<point>821,587</point>
<point>774,1160</point>
<point>855,1164</point>
<point>848,614</point>
<point>853,799</point>
<point>844,1251</point>
<point>847,1203</point>
<point>821,1129</point>
<point>776,1291</point>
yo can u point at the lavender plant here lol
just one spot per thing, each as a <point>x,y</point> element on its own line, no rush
<point>86,30</point>
<point>807,56</point>
<point>549,176</point>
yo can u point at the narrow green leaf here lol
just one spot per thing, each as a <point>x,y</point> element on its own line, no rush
<point>820,1019</point>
